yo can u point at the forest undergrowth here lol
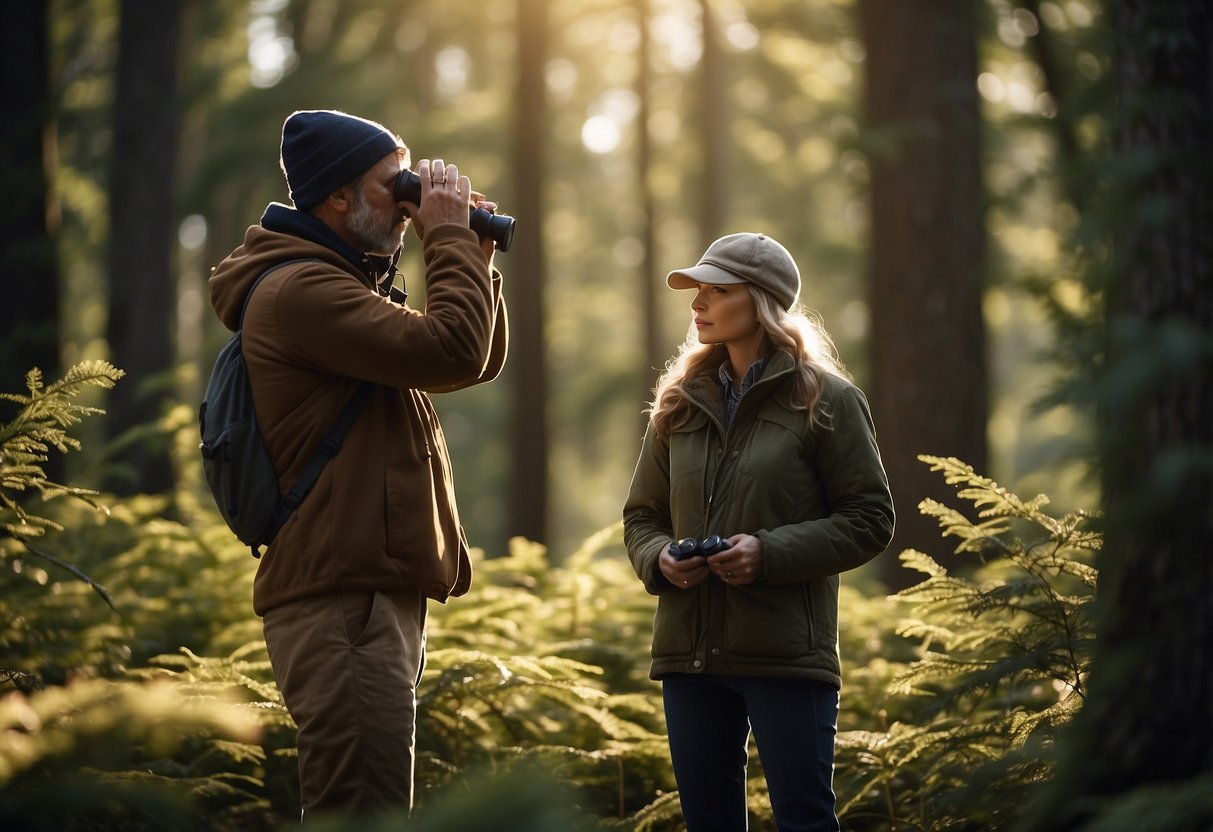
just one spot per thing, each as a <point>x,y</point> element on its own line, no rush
<point>135,692</point>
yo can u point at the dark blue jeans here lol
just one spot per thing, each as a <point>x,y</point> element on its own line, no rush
<point>709,718</point>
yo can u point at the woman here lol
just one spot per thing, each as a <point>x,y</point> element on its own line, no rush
<point>755,434</point>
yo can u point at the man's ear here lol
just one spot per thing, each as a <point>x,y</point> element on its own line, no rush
<point>336,207</point>
<point>341,200</point>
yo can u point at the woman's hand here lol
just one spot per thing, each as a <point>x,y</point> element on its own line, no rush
<point>741,563</point>
<point>683,574</point>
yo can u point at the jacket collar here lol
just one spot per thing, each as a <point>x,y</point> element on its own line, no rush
<point>705,390</point>
<point>779,363</point>
<point>285,220</point>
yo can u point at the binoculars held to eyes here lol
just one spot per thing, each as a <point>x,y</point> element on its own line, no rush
<point>498,227</point>
<point>689,547</point>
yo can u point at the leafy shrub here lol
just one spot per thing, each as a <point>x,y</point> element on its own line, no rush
<point>1004,657</point>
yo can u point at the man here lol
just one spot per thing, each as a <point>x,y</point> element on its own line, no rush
<point>343,588</point>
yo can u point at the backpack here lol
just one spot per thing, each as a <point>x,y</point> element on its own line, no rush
<point>235,462</point>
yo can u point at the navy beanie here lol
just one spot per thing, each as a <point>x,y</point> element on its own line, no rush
<point>324,149</point>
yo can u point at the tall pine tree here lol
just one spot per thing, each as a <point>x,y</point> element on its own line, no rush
<point>1142,748</point>
<point>928,385</point>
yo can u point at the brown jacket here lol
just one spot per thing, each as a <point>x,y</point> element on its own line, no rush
<point>382,515</point>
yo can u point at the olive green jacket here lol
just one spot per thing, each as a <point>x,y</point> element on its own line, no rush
<point>818,499</point>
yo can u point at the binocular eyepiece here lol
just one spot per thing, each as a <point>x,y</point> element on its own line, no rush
<point>689,547</point>
<point>498,227</point>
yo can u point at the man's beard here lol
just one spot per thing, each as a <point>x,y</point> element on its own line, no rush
<point>372,234</point>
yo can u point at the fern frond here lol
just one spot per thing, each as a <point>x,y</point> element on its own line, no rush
<point>1004,652</point>
<point>922,562</point>
<point>42,424</point>
<point>933,667</point>
<point>926,632</point>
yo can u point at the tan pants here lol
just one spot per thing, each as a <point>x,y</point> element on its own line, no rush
<point>347,665</point>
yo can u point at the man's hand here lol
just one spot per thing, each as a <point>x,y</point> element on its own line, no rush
<point>486,243</point>
<point>445,197</point>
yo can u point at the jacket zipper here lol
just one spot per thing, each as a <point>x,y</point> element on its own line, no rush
<point>707,507</point>
<point>726,433</point>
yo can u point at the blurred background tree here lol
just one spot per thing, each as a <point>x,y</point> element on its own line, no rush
<point>528,432</point>
<point>926,254</point>
<point>28,221</point>
<point>142,289</point>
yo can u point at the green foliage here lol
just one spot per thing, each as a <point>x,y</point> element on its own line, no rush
<point>103,755</point>
<point>544,664</point>
<point>535,699</point>
<point>81,751</point>
<point>25,442</point>
<point>523,800</point>
<point>1162,807</point>
<point>167,583</point>
<point>509,689</point>
<point>1003,661</point>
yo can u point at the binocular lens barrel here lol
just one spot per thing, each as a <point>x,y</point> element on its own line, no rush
<point>689,547</point>
<point>685,548</point>
<point>497,227</point>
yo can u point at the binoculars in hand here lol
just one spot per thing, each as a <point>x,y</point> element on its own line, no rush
<point>689,547</point>
<point>498,227</point>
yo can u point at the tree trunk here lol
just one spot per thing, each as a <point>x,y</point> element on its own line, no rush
<point>713,128</point>
<point>528,500</point>
<point>1148,717</point>
<point>654,351</point>
<point>142,302</point>
<point>928,385</point>
<point>29,316</point>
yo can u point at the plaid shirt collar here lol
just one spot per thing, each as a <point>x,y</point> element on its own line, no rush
<point>733,398</point>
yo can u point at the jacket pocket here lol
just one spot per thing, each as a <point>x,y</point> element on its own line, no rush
<point>772,621</point>
<point>675,624</point>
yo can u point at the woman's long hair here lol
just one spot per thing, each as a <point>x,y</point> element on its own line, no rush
<point>801,334</point>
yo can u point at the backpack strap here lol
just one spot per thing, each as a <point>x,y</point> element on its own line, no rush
<point>249,294</point>
<point>329,446</point>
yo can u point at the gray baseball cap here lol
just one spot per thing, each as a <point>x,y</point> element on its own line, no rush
<point>744,258</point>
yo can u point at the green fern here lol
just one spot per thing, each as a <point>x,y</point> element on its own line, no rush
<point>1003,655</point>
<point>25,444</point>
<point>543,667</point>
<point>100,754</point>
<point>526,670</point>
